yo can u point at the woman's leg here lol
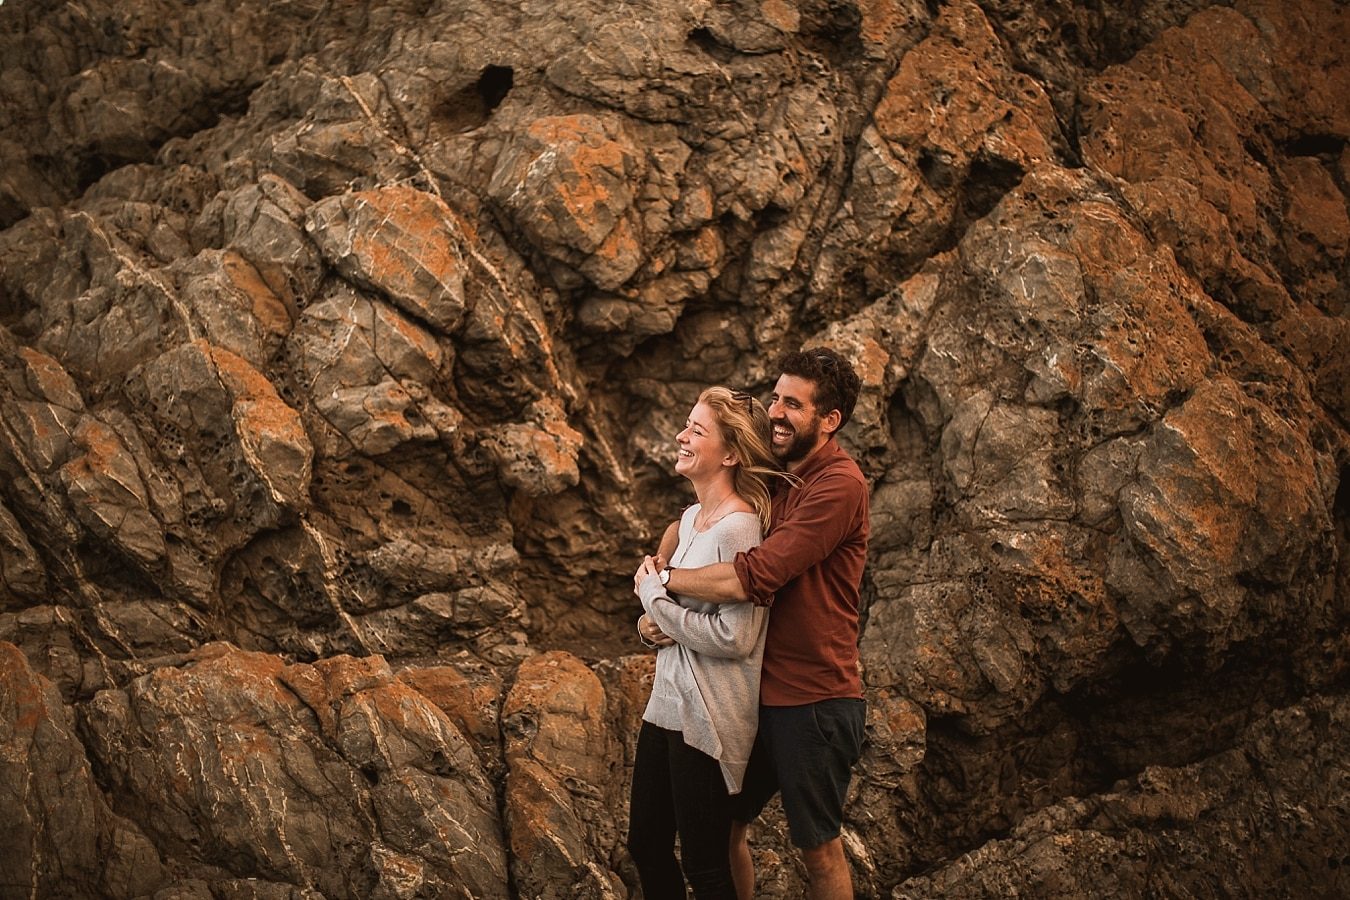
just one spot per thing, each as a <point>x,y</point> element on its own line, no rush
<point>651,816</point>
<point>703,816</point>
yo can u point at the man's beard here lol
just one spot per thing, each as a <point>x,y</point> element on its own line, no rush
<point>802,443</point>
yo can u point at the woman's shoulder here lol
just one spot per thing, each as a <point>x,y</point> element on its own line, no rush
<point>739,527</point>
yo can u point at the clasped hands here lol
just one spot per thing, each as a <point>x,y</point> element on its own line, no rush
<point>648,630</point>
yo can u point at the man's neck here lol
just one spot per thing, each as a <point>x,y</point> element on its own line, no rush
<point>793,466</point>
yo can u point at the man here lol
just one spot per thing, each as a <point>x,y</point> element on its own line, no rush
<point>809,569</point>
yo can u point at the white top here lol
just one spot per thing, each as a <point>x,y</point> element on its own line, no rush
<point>707,683</point>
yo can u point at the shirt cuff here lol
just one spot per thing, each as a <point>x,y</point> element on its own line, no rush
<point>650,589</point>
<point>741,564</point>
<point>650,645</point>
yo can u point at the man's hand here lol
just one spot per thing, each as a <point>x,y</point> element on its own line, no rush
<point>651,633</point>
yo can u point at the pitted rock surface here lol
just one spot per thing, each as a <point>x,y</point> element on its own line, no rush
<point>342,350</point>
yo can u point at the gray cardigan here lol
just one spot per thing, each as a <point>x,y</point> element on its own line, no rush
<point>707,683</point>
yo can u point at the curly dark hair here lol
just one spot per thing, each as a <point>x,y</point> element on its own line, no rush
<point>837,385</point>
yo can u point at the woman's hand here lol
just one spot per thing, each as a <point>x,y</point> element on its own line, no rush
<point>651,565</point>
<point>651,633</point>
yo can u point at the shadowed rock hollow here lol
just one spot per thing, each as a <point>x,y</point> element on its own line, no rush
<point>342,347</point>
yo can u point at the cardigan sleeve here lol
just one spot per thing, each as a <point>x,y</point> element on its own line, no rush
<point>729,630</point>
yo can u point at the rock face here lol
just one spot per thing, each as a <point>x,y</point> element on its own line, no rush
<point>342,347</point>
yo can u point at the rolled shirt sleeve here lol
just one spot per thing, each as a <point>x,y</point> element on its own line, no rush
<point>823,517</point>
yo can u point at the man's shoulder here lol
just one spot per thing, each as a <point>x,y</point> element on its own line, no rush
<point>836,463</point>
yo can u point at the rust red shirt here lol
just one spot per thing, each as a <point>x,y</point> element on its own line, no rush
<point>809,569</point>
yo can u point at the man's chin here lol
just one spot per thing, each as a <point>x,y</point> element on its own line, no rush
<point>791,453</point>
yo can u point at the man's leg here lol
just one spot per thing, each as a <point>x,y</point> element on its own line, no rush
<point>830,876</point>
<point>816,746</point>
<point>742,865</point>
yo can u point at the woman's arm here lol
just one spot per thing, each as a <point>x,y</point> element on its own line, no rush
<point>727,631</point>
<point>669,541</point>
<point>648,631</point>
<point>731,631</point>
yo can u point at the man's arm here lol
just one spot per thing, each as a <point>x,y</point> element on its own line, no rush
<point>716,583</point>
<point>821,519</point>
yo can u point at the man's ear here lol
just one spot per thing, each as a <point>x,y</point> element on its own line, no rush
<point>831,421</point>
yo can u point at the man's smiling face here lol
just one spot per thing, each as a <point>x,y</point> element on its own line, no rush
<point>796,424</point>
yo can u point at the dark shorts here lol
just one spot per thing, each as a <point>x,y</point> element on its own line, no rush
<point>807,753</point>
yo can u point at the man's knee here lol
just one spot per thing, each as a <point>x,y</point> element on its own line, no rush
<point>825,857</point>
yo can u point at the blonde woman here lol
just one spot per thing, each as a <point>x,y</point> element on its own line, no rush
<point>700,720</point>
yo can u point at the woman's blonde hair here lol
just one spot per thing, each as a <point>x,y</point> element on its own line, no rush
<point>744,423</point>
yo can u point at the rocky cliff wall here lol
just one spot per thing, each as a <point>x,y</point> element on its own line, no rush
<point>342,347</point>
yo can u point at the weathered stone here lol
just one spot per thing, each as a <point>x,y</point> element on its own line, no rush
<point>539,458</point>
<point>105,487</point>
<point>57,649</point>
<point>367,329</point>
<point>345,133</point>
<point>487,619</point>
<point>471,695</point>
<point>264,223</point>
<point>955,127</point>
<point>237,310</point>
<point>21,572</point>
<point>285,596</point>
<point>399,241</point>
<point>569,181</point>
<point>1221,824</point>
<point>370,372</point>
<point>62,839</point>
<point>259,457</point>
<point>558,786</point>
<point>321,776</point>
<point>1225,496</point>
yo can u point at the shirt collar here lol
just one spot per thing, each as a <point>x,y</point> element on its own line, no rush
<point>821,457</point>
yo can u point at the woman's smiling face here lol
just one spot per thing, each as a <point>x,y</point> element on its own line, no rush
<point>701,449</point>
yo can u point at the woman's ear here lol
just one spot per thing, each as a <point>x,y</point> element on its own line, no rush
<point>731,459</point>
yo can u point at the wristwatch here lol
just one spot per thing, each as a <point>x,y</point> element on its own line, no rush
<point>664,575</point>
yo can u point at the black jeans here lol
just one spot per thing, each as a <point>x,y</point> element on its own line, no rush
<point>677,789</point>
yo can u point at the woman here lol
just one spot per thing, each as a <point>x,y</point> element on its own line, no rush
<point>701,718</point>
